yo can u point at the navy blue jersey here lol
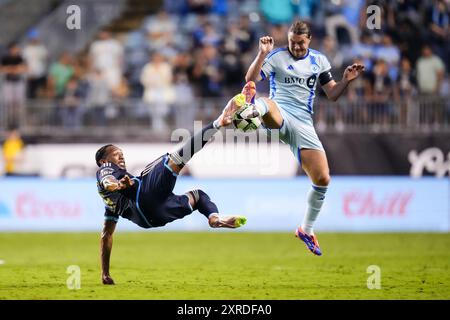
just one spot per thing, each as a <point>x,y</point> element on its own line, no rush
<point>150,202</point>
<point>118,203</point>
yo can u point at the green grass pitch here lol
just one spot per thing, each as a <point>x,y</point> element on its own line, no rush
<point>226,265</point>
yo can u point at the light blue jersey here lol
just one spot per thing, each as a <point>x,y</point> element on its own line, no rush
<point>292,87</point>
<point>293,81</point>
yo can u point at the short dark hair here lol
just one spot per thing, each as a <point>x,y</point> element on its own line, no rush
<point>102,153</point>
<point>299,27</point>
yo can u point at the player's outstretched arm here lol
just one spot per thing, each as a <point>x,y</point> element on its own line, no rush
<point>266,44</point>
<point>105,250</point>
<point>335,89</point>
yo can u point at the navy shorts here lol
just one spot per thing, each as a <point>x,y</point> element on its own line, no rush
<point>156,201</point>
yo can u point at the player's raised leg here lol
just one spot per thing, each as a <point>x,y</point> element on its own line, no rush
<point>164,180</point>
<point>269,112</point>
<point>199,200</point>
<point>315,164</point>
<point>178,159</point>
<point>265,107</point>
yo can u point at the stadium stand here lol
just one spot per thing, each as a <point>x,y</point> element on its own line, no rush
<point>88,82</point>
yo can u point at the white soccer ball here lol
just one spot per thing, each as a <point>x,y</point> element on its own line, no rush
<point>243,119</point>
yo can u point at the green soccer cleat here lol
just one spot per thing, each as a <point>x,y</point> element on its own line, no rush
<point>216,221</point>
<point>240,221</point>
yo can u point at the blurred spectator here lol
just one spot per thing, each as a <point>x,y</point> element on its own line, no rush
<point>364,50</point>
<point>106,55</point>
<point>136,56</point>
<point>439,26</point>
<point>98,98</point>
<point>181,63</point>
<point>206,35</point>
<point>231,55</point>
<point>405,79</point>
<point>246,39</point>
<point>278,33</point>
<point>199,6</point>
<point>430,72</point>
<point>206,72</point>
<point>381,93</point>
<point>13,152</point>
<point>356,109</point>
<point>408,11</point>
<point>277,11</point>
<point>184,104</point>
<point>157,79</point>
<point>306,9</point>
<point>404,90</point>
<point>122,91</point>
<point>439,20</point>
<point>361,86</point>
<point>208,44</point>
<point>343,15</point>
<point>175,6</point>
<point>35,54</point>
<point>119,101</point>
<point>59,74</point>
<point>409,40</point>
<point>351,10</point>
<point>160,31</point>
<point>331,51</point>
<point>14,68</point>
<point>246,36</point>
<point>70,109</point>
<point>220,7</point>
<point>388,52</point>
<point>430,75</point>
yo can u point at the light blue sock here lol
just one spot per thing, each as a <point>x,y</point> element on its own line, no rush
<point>261,106</point>
<point>316,197</point>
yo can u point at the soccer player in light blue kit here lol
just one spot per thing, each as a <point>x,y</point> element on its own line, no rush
<point>293,73</point>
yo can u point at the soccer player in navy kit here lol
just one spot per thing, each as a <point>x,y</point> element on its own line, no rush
<point>148,200</point>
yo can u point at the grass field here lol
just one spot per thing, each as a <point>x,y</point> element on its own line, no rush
<point>226,265</point>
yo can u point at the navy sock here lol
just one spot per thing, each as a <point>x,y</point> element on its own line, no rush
<point>203,203</point>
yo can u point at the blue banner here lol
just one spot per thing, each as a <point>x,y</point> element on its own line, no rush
<point>360,204</point>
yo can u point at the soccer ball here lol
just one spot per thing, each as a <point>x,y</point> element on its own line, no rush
<point>241,122</point>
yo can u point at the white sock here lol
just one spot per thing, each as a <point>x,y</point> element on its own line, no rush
<point>316,197</point>
<point>261,106</point>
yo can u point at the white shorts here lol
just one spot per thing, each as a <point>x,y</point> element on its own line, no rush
<point>298,132</point>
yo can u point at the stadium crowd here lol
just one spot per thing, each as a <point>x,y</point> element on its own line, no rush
<point>201,49</point>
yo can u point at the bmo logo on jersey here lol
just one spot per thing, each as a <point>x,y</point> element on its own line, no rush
<point>310,82</point>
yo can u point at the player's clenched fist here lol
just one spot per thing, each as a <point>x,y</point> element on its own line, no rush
<point>125,182</point>
<point>265,45</point>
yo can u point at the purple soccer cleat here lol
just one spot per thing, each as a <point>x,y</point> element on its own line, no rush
<point>310,240</point>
